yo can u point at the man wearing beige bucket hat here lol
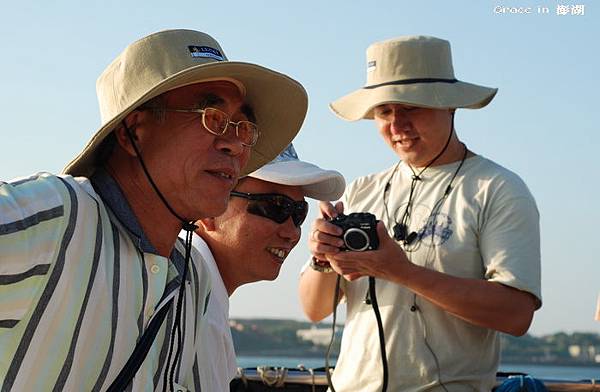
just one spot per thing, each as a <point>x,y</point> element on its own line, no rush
<point>96,292</point>
<point>250,242</point>
<point>458,256</point>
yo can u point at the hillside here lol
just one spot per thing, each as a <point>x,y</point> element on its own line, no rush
<point>270,337</point>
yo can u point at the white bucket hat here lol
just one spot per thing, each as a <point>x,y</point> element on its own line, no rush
<point>287,169</point>
<point>171,59</point>
<point>412,70</point>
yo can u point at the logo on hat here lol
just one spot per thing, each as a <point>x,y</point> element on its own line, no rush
<point>371,65</point>
<point>205,51</point>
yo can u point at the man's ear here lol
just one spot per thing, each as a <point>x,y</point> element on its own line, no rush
<point>206,224</point>
<point>121,133</point>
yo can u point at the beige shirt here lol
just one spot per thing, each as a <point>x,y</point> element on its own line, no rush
<point>487,228</point>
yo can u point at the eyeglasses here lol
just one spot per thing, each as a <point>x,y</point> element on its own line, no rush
<point>216,122</point>
<point>275,207</point>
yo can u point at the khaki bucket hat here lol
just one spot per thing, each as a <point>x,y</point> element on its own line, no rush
<point>171,59</point>
<point>412,70</point>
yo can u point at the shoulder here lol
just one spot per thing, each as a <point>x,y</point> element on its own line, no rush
<point>38,219</point>
<point>366,185</point>
<point>493,181</point>
<point>28,195</point>
<point>41,197</point>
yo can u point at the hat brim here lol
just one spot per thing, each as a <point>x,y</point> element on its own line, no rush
<point>316,183</point>
<point>438,95</point>
<point>278,101</point>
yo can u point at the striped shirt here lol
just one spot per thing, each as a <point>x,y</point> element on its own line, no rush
<point>79,282</point>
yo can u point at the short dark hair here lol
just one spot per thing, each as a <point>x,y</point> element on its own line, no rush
<point>156,106</point>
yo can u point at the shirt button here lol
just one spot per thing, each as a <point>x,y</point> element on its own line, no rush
<point>155,269</point>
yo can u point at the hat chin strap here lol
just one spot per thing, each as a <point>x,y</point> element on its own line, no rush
<point>189,227</point>
<point>439,154</point>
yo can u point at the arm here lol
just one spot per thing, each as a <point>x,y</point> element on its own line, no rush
<point>480,302</point>
<point>317,289</point>
<point>32,224</point>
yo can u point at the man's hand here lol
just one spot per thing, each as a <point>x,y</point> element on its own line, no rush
<point>388,262</point>
<point>324,238</point>
<point>317,289</point>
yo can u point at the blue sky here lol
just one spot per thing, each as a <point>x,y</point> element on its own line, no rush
<point>541,124</point>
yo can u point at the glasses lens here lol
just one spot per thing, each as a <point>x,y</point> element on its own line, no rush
<point>215,120</point>
<point>300,212</point>
<point>247,132</point>
<point>268,210</point>
<point>279,209</point>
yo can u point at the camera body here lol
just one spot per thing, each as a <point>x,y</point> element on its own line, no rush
<point>360,231</point>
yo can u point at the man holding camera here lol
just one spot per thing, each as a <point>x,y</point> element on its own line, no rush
<point>458,257</point>
<point>250,242</point>
<point>96,291</point>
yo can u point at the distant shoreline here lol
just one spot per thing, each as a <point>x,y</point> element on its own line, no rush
<point>314,355</point>
<point>559,363</point>
<point>281,338</point>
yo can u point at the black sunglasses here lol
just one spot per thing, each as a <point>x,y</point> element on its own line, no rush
<point>275,207</point>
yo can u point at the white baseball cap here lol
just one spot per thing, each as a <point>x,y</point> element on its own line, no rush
<point>287,169</point>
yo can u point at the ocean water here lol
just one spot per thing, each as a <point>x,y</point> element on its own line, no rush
<point>548,372</point>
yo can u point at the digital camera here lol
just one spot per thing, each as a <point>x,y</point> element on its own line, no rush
<point>360,231</point>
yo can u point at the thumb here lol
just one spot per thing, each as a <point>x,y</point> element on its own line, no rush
<point>382,232</point>
<point>381,229</point>
<point>339,207</point>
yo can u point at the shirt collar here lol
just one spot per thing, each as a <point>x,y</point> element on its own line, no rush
<point>113,197</point>
<point>219,292</point>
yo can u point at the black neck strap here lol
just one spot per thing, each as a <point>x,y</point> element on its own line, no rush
<point>189,227</point>
<point>401,228</point>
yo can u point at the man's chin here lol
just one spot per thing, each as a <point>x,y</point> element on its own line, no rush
<point>272,276</point>
<point>211,209</point>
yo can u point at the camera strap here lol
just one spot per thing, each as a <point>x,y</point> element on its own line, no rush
<point>140,351</point>
<point>336,297</point>
<point>384,363</point>
<point>372,295</point>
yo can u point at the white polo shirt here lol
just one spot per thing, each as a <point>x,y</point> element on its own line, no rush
<point>217,355</point>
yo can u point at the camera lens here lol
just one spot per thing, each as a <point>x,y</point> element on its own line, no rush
<point>356,239</point>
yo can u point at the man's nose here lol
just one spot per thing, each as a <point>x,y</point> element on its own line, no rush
<point>399,120</point>
<point>229,142</point>
<point>289,231</point>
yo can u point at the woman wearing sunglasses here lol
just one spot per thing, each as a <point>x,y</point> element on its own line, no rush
<point>250,242</point>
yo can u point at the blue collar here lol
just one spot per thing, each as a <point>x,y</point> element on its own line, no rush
<point>113,197</point>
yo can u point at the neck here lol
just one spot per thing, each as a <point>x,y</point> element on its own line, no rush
<point>228,274</point>
<point>452,153</point>
<point>158,224</point>
<point>231,274</point>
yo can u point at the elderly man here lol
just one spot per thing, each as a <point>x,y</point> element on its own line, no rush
<point>93,292</point>
<point>250,242</point>
<point>458,257</point>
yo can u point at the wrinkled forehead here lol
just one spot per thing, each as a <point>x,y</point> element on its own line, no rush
<point>220,91</point>
<point>220,94</point>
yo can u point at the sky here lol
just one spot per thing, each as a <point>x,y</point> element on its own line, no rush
<point>540,125</point>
